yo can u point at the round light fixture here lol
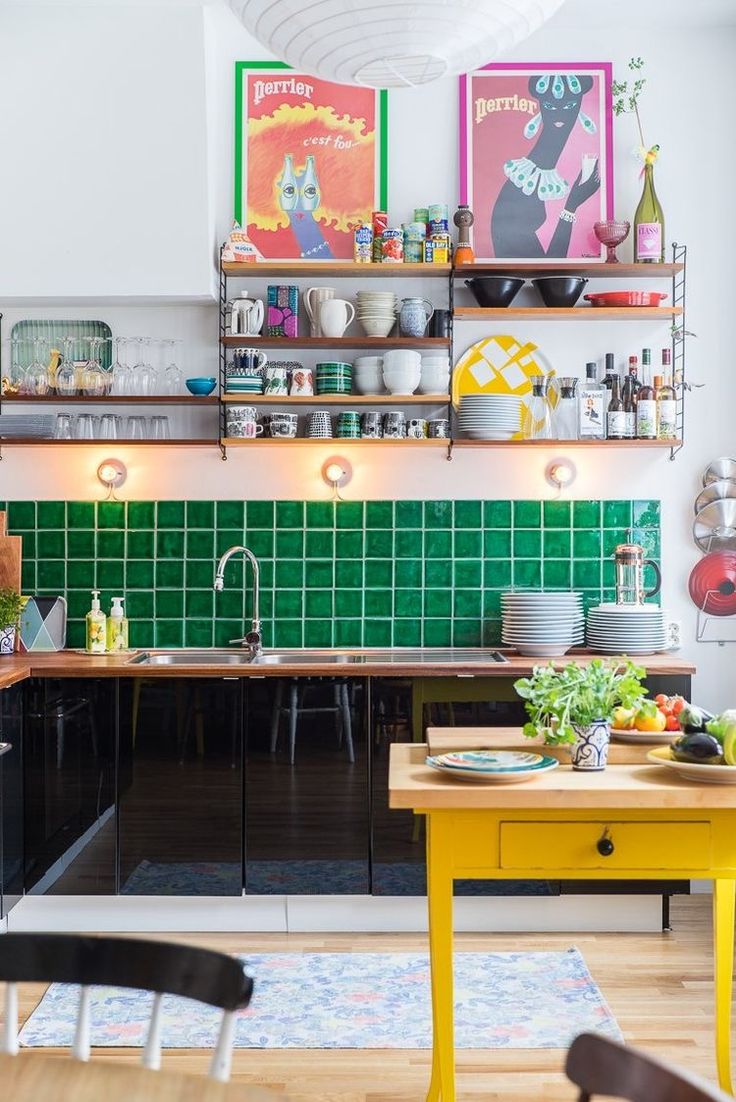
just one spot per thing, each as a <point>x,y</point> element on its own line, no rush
<point>561,473</point>
<point>390,44</point>
<point>336,472</point>
<point>112,473</point>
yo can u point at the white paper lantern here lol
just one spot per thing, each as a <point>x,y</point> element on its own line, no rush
<point>390,43</point>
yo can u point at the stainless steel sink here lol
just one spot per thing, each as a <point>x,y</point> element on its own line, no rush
<point>193,658</point>
<point>415,656</point>
<point>303,658</point>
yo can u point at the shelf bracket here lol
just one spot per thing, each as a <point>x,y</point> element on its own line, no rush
<point>450,443</point>
<point>223,451</point>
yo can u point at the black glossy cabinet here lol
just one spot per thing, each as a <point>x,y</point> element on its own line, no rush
<point>180,786</point>
<point>69,763</point>
<point>11,798</point>
<point>307,820</point>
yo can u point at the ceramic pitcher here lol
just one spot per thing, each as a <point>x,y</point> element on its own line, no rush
<point>414,316</point>
<point>247,316</point>
<point>313,298</point>
<point>335,316</point>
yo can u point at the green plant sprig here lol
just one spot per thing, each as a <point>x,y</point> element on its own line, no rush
<point>626,99</point>
<point>557,701</point>
<point>10,606</point>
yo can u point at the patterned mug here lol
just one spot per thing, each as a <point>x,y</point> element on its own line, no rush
<point>394,425</point>
<point>416,428</point>
<point>302,381</point>
<point>371,425</point>
<point>438,428</point>
<point>277,381</point>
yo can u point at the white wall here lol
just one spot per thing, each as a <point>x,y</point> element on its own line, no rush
<point>683,110</point>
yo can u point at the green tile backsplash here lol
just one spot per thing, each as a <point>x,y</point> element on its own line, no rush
<point>352,573</point>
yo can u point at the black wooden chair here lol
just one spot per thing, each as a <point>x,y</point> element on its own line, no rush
<point>156,966</point>
<point>599,1066</point>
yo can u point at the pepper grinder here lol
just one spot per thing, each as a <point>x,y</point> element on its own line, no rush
<point>463,219</point>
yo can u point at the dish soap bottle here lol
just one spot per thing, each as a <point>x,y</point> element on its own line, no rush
<point>117,626</point>
<point>96,623</point>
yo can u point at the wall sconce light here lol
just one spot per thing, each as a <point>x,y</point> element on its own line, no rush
<point>112,473</point>
<point>336,472</point>
<point>561,473</point>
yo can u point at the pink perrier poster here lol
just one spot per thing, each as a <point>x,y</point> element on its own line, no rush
<point>536,163</point>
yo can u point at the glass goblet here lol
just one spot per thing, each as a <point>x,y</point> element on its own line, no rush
<point>611,234</point>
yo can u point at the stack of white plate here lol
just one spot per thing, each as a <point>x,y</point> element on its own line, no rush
<point>492,766</point>
<point>377,312</point>
<point>626,629</point>
<point>40,425</point>
<point>489,416</point>
<point>540,624</point>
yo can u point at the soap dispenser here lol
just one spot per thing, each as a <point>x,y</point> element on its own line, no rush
<point>117,626</point>
<point>96,623</point>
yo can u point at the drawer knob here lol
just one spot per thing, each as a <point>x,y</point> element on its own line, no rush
<point>605,844</point>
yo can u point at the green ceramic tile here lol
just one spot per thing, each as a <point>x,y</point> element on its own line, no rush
<point>141,545</point>
<point>30,542</point>
<point>320,514</point>
<point>557,574</point>
<point>497,573</point>
<point>586,514</point>
<point>141,514</point>
<point>379,543</point>
<point>646,514</point>
<point>349,514</point>
<point>289,514</point>
<point>139,604</point>
<point>649,540</point>
<point>611,538</point>
<point>81,575</point>
<point>586,544</point>
<point>467,633</point>
<point>437,633</point>
<point>199,574</point>
<point>609,573</point>
<point>230,603</point>
<point>50,514</point>
<point>319,544</point>
<point>438,544</point>
<point>288,633</point>
<point>408,514</point>
<point>200,514</point>
<point>141,634</point>
<point>111,545</point>
<point>200,545</point>
<point>261,542</point>
<point>527,543</point>
<point>259,514</point>
<point>527,514</point>
<point>379,514</point>
<point>21,514</point>
<point>169,545</point>
<point>230,514</point>
<point>527,573</point>
<point>110,514</point>
<point>349,574</point>
<point>28,577</point>
<point>288,573</point>
<point>377,633</point>
<point>438,572</point>
<point>169,604</point>
<point>349,545</point>
<point>616,514</point>
<point>51,576</point>
<point>198,633</point>
<point>49,545</point>
<point>379,573</point>
<point>407,633</point>
<point>170,575</point>
<point>80,514</point>
<point>586,573</point>
<point>556,544</point>
<point>318,633</point>
<point>468,544</point>
<point>288,603</point>
<point>407,602</point>
<point>497,543</point>
<point>491,603</point>
<point>556,514</point>
<point>290,544</point>
<point>170,514</point>
<point>377,602</point>
<point>438,514</point>
<point>348,603</point>
<point>438,602</point>
<point>199,603</point>
<point>408,543</point>
<point>169,633</point>
<point>468,573</point>
<point>224,540</point>
<point>319,574</point>
<point>466,602</point>
<point>491,633</point>
<point>318,602</point>
<point>110,575</point>
<point>468,514</point>
<point>78,603</point>
<point>407,573</point>
<point>76,632</point>
<point>496,514</point>
<point>348,633</point>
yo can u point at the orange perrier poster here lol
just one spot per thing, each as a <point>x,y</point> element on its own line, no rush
<point>310,161</point>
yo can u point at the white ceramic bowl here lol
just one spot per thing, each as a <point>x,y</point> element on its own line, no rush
<point>401,382</point>
<point>402,358</point>
<point>377,327</point>
<point>434,382</point>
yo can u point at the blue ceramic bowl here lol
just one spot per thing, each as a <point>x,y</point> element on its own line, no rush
<point>201,386</point>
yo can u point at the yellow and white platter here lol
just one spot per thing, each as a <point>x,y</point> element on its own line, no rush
<point>691,771</point>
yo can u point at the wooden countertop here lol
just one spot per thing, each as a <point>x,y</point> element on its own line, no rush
<point>70,663</point>
<point>624,786</point>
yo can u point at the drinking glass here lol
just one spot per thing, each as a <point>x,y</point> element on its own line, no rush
<point>108,429</point>
<point>84,427</point>
<point>63,430</point>
<point>173,377</point>
<point>94,383</point>
<point>145,375</point>
<point>160,428</point>
<point>121,371</point>
<point>137,428</point>
<point>35,380</point>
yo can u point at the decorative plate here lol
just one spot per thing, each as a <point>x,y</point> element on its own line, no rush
<point>499,365</point>
<point>492,766</point>
<point>623,734</point>
<point>691,771</point>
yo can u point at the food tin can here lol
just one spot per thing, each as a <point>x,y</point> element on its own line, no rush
<point>363,244</point>
<point>421,214</point>
<point>413,251</point>
<point>414,231</point>
<point>437,249</point>
<point>379,218</point>
<point>438,219</point>
<point>392,246</point>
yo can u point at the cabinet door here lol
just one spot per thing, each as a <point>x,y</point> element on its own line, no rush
<point>69,786</point>
<point>180,786</point>
<point>11,798</point>
<point>307,830</point>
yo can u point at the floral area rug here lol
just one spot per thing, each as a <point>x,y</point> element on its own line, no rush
<point>356,1000</point>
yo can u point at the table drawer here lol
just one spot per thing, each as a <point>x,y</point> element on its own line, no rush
<point>605,844</point>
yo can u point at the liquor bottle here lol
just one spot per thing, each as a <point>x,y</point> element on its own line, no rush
<point>608,382</point>
<point>646,402</point>
<point>649,223</point>
<point>592,425</point>
<point>629,393</point>
<point>666,399</point>
<point>616,417</point>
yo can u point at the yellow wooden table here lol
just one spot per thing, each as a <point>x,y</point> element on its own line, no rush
<point>632,821</point>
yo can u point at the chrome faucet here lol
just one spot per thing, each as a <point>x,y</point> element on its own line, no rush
<point>253,639</point>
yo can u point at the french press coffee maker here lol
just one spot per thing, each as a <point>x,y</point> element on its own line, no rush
<point>630,563</point>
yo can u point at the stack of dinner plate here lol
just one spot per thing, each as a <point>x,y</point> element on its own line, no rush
<point>27,425</point>
<point>542,624</point>
<point>489,416</point>
<point>491,766</point>
<point>626,629</point>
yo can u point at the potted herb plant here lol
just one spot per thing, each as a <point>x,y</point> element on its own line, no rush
<point>574,705</point>
<point>10,606</point>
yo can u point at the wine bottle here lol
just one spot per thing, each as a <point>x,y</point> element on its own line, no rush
<point>628,397</point>
<point>608,377</point>
<point>649,223</point>
<point>646,401</point>
<point>666,400</point>
<point>590,407</point>
<point>616,417</point>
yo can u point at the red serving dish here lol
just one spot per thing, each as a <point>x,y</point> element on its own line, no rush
<point>626,298</point>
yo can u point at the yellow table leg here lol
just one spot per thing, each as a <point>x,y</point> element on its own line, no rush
<point>724,895</point>
<point>439,893</point>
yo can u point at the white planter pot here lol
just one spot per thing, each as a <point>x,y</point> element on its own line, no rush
<point>590,749</point>
<point>7,640</point>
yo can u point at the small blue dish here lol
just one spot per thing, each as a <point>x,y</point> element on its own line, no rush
<point>201,386</point>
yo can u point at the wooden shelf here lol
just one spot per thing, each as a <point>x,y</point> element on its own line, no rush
<point>296,268</point>
<point>579,268</point>
<point>332,442</point>
<point>35,442</point>
<point>335,342</point>
<point>565,444</point>
<point>570,313</point>
<point>112,399</point>
<point>339,399</point>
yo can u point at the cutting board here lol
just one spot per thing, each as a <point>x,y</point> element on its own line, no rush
<point>10,557</point>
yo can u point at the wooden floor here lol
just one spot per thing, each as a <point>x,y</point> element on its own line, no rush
<point>659,987</point>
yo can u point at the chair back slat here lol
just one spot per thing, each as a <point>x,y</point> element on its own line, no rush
<point>10,1031</point>
<point>152,1051</point>
<point>81,1043</point>
<point>223,1054</point>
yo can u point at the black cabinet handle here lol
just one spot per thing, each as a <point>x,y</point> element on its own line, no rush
<point>605,844</point>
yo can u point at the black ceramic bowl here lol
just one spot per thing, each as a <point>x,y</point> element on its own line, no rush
<point>494,291</point>
<point>560,290</point>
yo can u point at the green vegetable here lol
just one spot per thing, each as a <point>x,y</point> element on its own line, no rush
<point>556,699</point>
<point>692,718</point>
<point>719,724</point>
<point>10,606</point>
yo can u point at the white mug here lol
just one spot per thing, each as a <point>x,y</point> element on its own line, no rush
<point>335,316</point>
<point>247,317</point>
<point>313,298</point>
